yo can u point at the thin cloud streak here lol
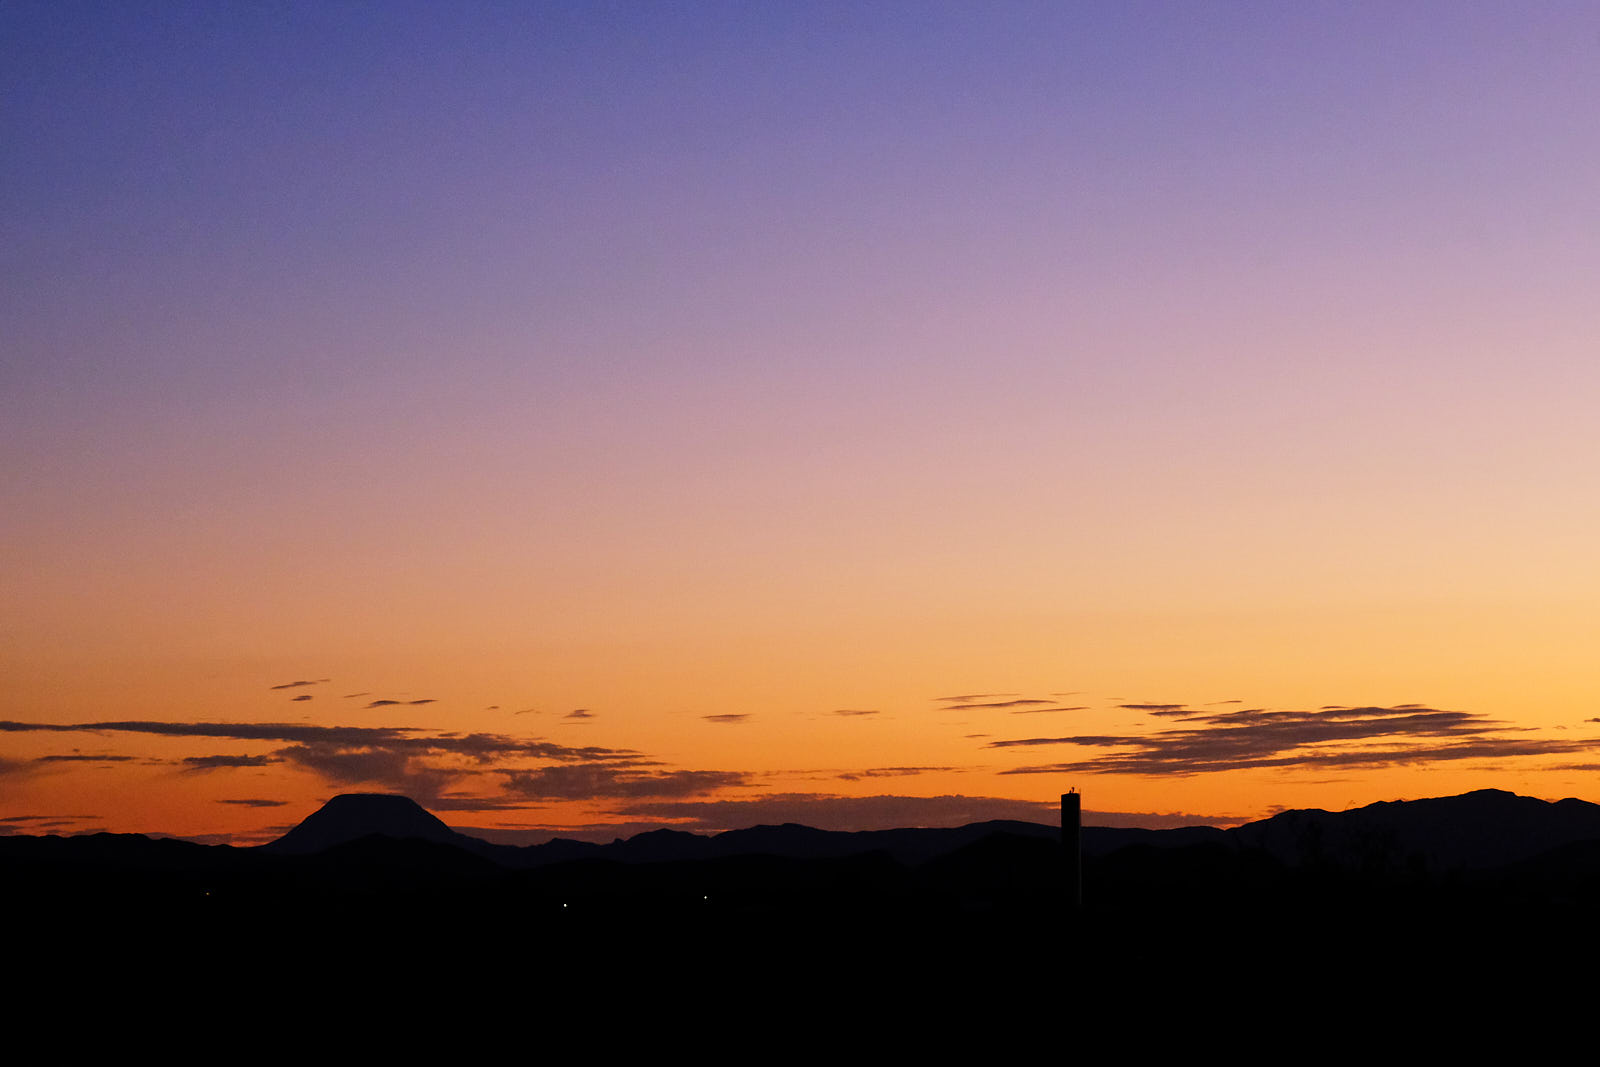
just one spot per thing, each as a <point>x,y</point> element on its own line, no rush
<point>998,704</point>
<point>83,759</point>
<point>591,781</point>
<point>1254,738</point>
<point>215,763</point>
<point>829,811</point>
<point>890,772</point>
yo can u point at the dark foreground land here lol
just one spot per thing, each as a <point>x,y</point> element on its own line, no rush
<point>1408,895</point>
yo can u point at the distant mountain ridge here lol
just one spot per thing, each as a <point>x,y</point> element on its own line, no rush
<point>353,816</point>
<point>1473,831</point>
<point>1453,884</point>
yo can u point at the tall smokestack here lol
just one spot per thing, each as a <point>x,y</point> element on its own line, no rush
<point>1071,846</point>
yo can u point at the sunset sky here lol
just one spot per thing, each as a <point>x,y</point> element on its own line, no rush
<point>586,417</point>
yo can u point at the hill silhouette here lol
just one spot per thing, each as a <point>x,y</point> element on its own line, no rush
<point>1447,883</point>
<point>1420,900</point>
<point>1439,837</point>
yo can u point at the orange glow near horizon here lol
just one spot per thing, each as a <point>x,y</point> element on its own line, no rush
<point>754,387</point>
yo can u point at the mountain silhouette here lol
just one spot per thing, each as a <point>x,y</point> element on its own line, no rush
<point>1487,828</point>
<point>1439,891</point>
<point>352,816</point>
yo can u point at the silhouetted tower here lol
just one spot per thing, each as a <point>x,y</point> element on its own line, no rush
<point>1072,847</point>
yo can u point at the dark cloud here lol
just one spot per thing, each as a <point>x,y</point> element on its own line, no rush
<point>24,825</point>
<point>975,696</point>
<point>1330,737</point>
<point>213,763</point>
<point>419,703</point>
<point>998,704</point>
<point>397,769</point>
<point>243,731</point>
<point>1158,821</point>
<point>83,759</point>
<point>402,758</point>
<point>381,704</point>
<point>832,812</point>
<point>424,769</point>
<point>253,803</point>
<point>302,696</point>
<point>462,802</point>
<point>856,711</point>
<point>725,718</point>
<point>1047,711</point>
<point>579,713</point>
<point>890,772</point>
<point>297,685</point>
<point>588,781</point>
<point>1155,709</point>
<point>352,696</point>
<point>1079,739</point>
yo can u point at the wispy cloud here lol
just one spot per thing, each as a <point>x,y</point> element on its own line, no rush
<point>1329,737</point>
<point>1019,703</point>
<point>855,711</point>
<point>412,760</point>
<point>726,718</point>
<point>216,763</point>
<point>83,759</point>
<point>13,825</point>
<point>588,781</point>
<point>890,772</point>
<point>467,802</point>
<point>832,812</point>
<point>1158,820</point>
<point>298,685</point>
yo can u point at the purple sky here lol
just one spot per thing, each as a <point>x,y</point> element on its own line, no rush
<point>716,367</point>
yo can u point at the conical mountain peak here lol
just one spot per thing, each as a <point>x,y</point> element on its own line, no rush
<point>350,816</point>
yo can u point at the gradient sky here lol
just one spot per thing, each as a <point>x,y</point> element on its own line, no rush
<point>579,414</point>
